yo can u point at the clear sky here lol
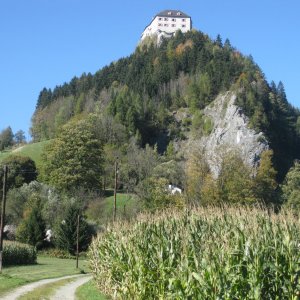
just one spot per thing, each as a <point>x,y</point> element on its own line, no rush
<point>44,43</point>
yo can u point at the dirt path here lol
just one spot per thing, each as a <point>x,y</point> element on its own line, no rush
<point>31,286</point>
<point>67,292</point>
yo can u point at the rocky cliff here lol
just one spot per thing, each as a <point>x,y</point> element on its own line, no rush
<point>230,132</point>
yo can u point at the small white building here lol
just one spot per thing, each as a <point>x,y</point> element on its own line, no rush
<point>167,22</point>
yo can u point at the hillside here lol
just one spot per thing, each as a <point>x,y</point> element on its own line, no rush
<point>33,151</point>
<point>189,71</point>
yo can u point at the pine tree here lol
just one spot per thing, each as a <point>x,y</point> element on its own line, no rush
<point>66,233</point>
<point>32,229</point>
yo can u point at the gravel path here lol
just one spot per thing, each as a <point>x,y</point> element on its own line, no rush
<point>31,286</point>
<point>67,292</point>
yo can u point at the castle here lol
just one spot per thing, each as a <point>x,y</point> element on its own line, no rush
<point>166,23</point>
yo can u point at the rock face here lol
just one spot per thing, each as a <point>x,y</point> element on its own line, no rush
<point>231,132</point>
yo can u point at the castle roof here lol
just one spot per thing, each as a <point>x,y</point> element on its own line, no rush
<point>172,13</point>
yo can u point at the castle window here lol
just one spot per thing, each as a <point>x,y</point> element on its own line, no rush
<point>159,19</point>
<point>174,20</point>
<point>173,25</point>
<point>178,14</point>
<point>183,25</point>
<point>159,24</point>
<point>183,20</point>
<point>166,19</point>
<point>166,25</point>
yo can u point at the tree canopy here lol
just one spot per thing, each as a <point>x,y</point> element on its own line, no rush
<point>75,158</point>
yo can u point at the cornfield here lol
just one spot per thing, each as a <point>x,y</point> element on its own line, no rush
<point>207,253</point>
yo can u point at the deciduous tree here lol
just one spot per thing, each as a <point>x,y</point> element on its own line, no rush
<point>75,158</point>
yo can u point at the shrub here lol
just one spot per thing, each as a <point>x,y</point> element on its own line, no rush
<point>57,253</point>
<point>209,253</point>
<point>15,253</point>
<point>201,125</point>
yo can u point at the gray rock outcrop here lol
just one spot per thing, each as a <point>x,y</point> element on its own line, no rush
<point>230,132</point>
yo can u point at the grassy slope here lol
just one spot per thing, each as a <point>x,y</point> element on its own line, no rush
<point>127,206</point>
<point>45,268</point>
<point>34,151</point>
<point>123,199</point>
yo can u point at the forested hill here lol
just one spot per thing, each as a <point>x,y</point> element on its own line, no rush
<point>188,71</point>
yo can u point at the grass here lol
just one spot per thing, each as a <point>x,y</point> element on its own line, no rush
<point>124,202</point>
<point>127,206</point>
<point>46,267</point>
<point>45,291</point>
<point>34,151</point>
<point>90,292</point>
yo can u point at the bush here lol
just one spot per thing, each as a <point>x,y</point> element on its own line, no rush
<point>209,253</point>
<point>15,253</point>
<point>201,125</point>
<point>57,253</point>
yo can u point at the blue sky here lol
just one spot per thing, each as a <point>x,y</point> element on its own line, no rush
<point>44,43</point>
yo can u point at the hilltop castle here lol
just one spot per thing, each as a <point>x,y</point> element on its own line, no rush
<point>166,23</point>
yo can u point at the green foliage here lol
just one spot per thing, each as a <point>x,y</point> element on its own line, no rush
<point>155,194</point>
<point>18,254</point>
<point>57,253</point>
<point>270,112</point>
<point>265,185</point>
<point>139,89</point>
<point>6,138</point>
<point>201,125</point>
<point>22,170</point>
<point>66,231</point>
<point>74,159</point>
<point>197,170</point>
<point>20,137</point>
<point>188,70</point>
<point>33,151</point>
<point>291,187</point>
<point>32,229</point>
<point>204,254</point>
<point>236,182</point>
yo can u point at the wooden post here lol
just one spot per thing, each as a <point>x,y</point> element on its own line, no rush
<point>3,215</point>
<point>77,241</point>
<point>115,190</point>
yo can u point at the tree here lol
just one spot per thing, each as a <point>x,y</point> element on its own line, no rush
<point>265,185</point>
<point>155,194</point>
<point>6,138</point>
<point>196,171</point>
<point>291,187</point>
<point>20,137</point>
<point>75,158</point>
<point>66,232</point>
<point>235,184</point>
<point>33,228</point>
<point>22,170</point>
<point>219,41</point>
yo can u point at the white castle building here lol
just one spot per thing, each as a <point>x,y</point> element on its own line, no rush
<point>166,23</point>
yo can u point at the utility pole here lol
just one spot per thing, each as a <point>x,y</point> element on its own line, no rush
<point>115,190</point>
<point>77,241</point>
<point>3,214</point>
